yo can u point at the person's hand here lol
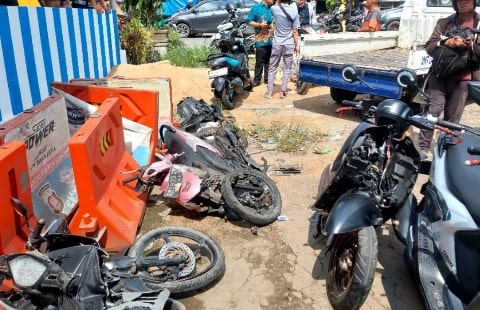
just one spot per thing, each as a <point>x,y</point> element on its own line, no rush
<point>296,50</point>
<point>458,42</point>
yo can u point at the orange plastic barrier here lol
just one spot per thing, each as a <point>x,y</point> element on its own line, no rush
<point>140,106</point>
<point>14,182</point>
<point>108,210</point>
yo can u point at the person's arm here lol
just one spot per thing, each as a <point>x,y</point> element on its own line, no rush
<point>296,48</point>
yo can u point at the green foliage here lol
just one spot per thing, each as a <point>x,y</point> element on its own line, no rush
<point>289,138</point>
<point>149,12</point>
<point>174,38</point>
<point>136,40</point>
<point>192,57</point>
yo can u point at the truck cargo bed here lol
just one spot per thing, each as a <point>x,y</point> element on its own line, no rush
<point>386,60</point>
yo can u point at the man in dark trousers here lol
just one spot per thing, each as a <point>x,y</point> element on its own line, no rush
<point>260,18</point>
<point>448,95</point>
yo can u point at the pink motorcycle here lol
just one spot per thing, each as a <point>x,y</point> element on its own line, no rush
<point>196,175</point>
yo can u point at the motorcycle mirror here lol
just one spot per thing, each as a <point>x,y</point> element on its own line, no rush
<point>21,210</point>
<point>350,73</point>
<point>407,78</point>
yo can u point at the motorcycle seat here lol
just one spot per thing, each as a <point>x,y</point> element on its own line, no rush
<point>463,180</point>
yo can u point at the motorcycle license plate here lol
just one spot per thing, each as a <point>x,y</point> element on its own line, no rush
<point>174,183</point>
<point>218,72</point>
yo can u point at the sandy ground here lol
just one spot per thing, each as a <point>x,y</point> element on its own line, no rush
<point>282,267</point>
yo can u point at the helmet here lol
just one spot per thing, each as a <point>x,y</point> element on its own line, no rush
<point>455,6</point>
<point>230,7</point>
<point>393,112</point>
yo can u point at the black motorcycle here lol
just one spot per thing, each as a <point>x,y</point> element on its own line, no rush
<point>369,182</point>
<point>229,68</point>
<point>63,271</point>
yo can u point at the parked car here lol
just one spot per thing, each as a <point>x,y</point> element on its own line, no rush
<point>391,18</point>
<point>207,15</point>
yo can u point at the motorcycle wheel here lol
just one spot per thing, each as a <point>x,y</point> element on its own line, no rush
<point>228,97</point>
<point>252,195</point>
<point>204,255</point>
<point>351,268</point>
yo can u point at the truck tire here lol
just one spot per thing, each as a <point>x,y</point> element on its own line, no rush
<point>302,87</point>
<point>339,94</point>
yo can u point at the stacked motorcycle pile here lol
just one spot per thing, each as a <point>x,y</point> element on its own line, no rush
<point>229,68</point>
<point>371,182</point>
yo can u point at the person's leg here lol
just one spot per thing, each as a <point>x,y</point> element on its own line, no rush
<point>268,54</point>
<point>455,104</point>
<point>273,66</point>
<point>287,65</point>
<point>437,95</point>
<point>259,64</point>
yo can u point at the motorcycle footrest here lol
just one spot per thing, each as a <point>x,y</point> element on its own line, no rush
<point>434,288</point>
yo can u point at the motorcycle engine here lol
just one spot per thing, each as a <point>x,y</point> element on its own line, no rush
<point>389,180</point>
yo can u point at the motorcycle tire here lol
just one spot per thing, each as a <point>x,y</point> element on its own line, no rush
<point>252,195</point>
<point>228,98</point>
<point>209,259</point>
<point>348,287</point>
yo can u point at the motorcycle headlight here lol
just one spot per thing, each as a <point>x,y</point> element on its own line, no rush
<point>26,270</point>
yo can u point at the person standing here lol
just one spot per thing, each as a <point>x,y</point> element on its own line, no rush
<point>448,95</point>
<point>373,20</point>
<point>285,44</point>
<point>306,15</point>
<point>260,18</point>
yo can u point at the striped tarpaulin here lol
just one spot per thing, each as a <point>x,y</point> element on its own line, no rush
<point>42,45</point>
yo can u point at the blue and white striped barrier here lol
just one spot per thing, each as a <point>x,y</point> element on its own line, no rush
<point>42,45</point>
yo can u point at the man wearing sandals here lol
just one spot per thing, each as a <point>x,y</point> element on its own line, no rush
<point>284,45</point>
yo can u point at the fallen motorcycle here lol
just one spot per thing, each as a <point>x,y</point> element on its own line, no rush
<point>199,178</point>
<point>208,123</point>
<point>62,271</point>
<point>369,183</point>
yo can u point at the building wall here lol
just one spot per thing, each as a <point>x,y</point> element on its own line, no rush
<point>42,45</point>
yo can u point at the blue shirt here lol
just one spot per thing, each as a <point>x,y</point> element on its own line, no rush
<point>261,13</point>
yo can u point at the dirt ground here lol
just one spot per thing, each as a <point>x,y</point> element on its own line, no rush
<point>281,267</point>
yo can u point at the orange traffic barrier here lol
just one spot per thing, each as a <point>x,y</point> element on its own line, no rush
<point>140,106</point>
<point>44,129</point>
<point>14,183</point>
<point>108,210</point>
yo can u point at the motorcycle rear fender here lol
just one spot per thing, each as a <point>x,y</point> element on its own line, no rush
<point>190,186</point>
<point>218,83</point>
<point>351,212</point>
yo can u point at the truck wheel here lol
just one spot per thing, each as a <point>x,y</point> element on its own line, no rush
<point>393,26</point>
<point>302,87</point>
<point>339,94</point>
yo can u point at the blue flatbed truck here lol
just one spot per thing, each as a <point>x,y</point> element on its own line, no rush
<point>378,55</point>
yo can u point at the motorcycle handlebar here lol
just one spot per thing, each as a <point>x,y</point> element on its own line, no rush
<point>449,125</point>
